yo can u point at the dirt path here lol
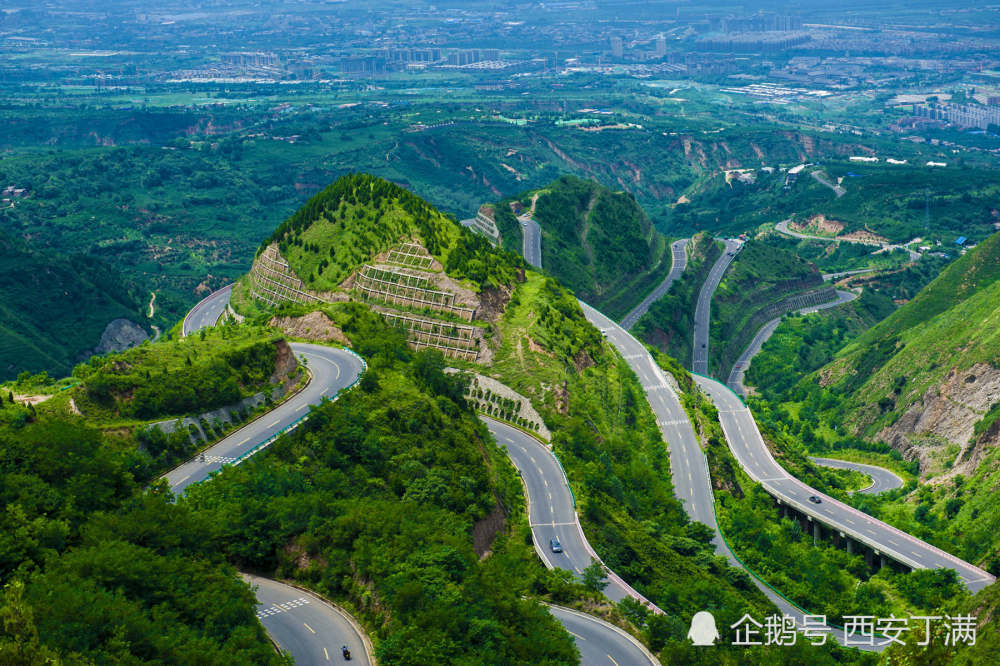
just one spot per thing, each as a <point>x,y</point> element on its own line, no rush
<point>152,305</point>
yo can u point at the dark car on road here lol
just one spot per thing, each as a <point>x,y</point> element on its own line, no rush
<point>555,545</point>
<point>814,499</point>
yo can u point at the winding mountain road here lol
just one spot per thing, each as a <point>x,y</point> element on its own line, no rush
<point>678,252</point>
<point>882,479</point>
<point>332,371</point>
<point>782,227</point>
<point>703,309</point>
<point>311,630</point>
<point>207,312</point>
<point>299,622</point>
<point>752,453</point>
<point>750,450</point>
<point>305,626</point>
<point>552,514</point>
<point>688,464</point>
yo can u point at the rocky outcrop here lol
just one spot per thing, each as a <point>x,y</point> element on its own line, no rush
<point>285,363</point>
<point>312,326</point>
<point>949,411</point>
<point>119,335</point>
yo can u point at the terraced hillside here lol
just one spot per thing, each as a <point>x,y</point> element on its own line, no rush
<point>365,239</point>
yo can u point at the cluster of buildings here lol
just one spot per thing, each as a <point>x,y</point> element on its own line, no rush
<point>398,59</point>
<point>963,115</point>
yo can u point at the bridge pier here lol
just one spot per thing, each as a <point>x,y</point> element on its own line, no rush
<point>850,545</point>
<point>817,533</point>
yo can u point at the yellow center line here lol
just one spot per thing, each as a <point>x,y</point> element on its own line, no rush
<point>309,628</point>
<point>612,660</point>
<point>274,424</point>
<point>326,654</point>
<point>244,441</point>
<point>577,635</point>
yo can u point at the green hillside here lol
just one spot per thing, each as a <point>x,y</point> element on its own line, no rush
<point>758,286</point>
<point>95,567</point>
<point>598,242</point>
<point>949,326</point>
<point>351,221</point>
<point>540,344</point>
<point>54,308</point>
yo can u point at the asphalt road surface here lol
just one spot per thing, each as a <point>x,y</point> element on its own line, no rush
<point>601,644</point>
<point>703,310</point>
<point>688,465</point>
<point>207,312</point>
<point>304,625</point>
<point>742,364</point>
<point>753,455</point>
<point>551,508</point>
<point>882,479</point>
<point>332,371</point>
<point>678,251</point>
<point>532,241</point>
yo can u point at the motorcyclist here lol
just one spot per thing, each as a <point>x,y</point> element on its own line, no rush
<point>345,652</point>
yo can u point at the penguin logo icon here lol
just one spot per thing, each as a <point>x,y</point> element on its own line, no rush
<point>703,631</point>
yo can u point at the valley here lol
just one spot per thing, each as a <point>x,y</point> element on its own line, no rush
<point>462,333</point>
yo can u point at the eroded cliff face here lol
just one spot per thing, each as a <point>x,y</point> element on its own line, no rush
<point>311,326</point>
<point>285,363</point>
<point>946,415</point>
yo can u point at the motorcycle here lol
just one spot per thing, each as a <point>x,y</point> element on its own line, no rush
<point>347,653</point>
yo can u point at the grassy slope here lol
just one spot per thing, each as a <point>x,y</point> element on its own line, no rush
<point>360,216</point>
<point>759,276</point>
<point>598,242</point>
<point>951,324</point>
<point>53,309</point>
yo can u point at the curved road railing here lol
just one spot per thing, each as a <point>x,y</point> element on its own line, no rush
<point>882,479</point>
<point>742,364</point>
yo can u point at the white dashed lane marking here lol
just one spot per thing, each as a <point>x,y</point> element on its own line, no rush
<point>274,609</point>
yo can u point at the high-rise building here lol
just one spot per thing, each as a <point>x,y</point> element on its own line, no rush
<point>660,46</point>
<point>617,49</point>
